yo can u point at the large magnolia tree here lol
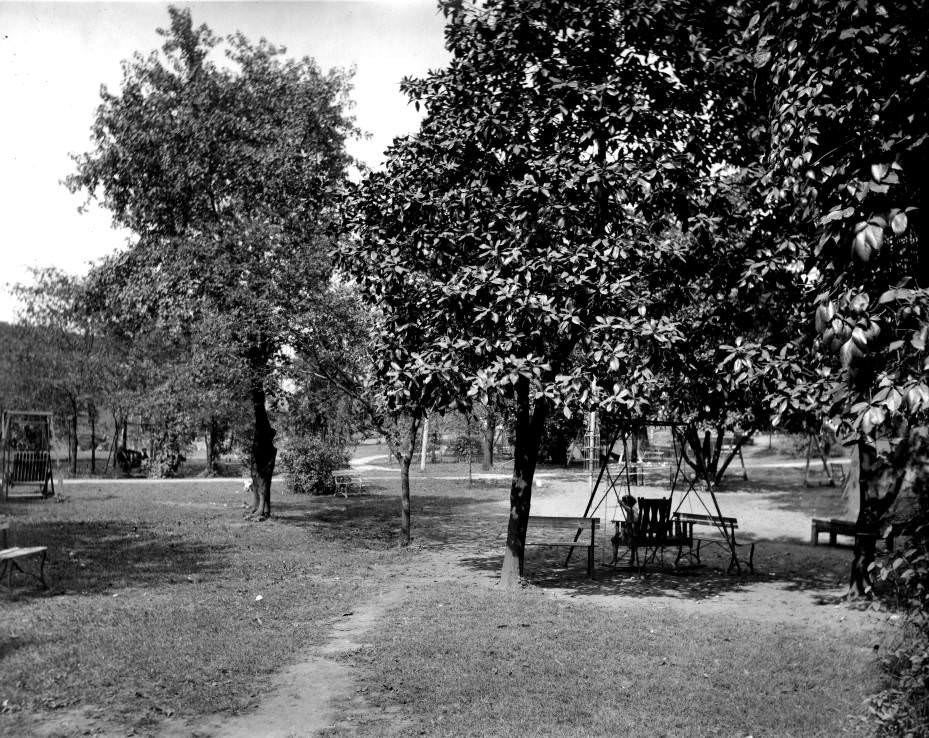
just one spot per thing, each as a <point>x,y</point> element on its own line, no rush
<point>561,151</point>
<point>227,173</point>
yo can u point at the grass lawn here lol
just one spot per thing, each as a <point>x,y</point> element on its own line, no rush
<point>461,663</point>
<point>166,606</point>
<point>154,603</point>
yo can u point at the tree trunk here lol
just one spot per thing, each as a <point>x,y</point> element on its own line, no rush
<point>263,456</point>
<point>113,446</point>
<point>706,454</point>
<point>73,439</point>
<point>880,478</point>
<point>406,459</point>
<point>404,452</point>
<point>736,449</point>
<point>487,440</point>
<point>529,424</point>
<point>91,416</point>
<point>212,445</point>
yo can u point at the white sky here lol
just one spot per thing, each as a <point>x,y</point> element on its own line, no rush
<point>55,56</point>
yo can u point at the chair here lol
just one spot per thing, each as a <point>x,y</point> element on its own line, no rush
<point>654,528</point>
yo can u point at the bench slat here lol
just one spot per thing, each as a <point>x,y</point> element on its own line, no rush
<point>564,522</point>
<point>699,519</point>
<point>16,552</point>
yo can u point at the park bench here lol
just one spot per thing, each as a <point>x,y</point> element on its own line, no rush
<point>719,531</point>
<point>548,530</point>
<point>12,558</point>
<point>347,480</point>
<point>833,527</point>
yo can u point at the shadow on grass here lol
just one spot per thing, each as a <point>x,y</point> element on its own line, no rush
<point>90,557</point>
<point>795,567</point>
<point>373,520</point>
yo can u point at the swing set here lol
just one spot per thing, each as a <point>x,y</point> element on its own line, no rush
<point>656,523</point>
<point>25,453</point>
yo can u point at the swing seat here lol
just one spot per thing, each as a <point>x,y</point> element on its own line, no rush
<point>650,528</point>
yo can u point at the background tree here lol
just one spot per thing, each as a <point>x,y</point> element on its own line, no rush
<point>227,175</point>
<point>374,356</point>
<point>62,354</point>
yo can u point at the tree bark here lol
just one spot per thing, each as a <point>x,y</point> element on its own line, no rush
<point>73,438</point>
<point>736,448</point>
<point>487,440</point>
<point>405,462</point>
<point>212,444</point>
<point>264,454</point>
<point>92,418</point>
<point>880,478</point>
<point>706,454</point>
<point>404,452</point>
<point>530,419</point>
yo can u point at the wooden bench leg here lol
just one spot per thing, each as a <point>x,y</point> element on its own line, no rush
<point>814,534</point>
<point>42,570</point>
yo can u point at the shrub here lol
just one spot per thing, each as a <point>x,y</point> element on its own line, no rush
<point>459,448</point>
<point>169,447</point>
<point>903,708</point>
<point>308,463</point>
<point>902,581</point>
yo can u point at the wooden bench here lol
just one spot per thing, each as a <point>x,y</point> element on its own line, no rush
<point>10,559</point>
<point>833,527</point>
<point>567,532</point>
<point>725,536</point>
<point>346,480</point>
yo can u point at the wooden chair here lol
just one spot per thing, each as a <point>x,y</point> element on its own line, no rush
<point>654,528</point>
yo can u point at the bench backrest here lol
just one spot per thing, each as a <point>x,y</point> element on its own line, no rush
<point>28,466</point>
<point>557,521</point>
<point>707,519</point>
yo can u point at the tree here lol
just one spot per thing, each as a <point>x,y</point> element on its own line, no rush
<point>846,185</point>
<point>65,353</point>
<point>534,200</point>
<point>372,354</point>
<point>227,174</point>
<point>846,193</point>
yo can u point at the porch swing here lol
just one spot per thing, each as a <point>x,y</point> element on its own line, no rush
<point>25,454</point>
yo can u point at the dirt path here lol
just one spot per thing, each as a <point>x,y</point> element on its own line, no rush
<point>320,690</point>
